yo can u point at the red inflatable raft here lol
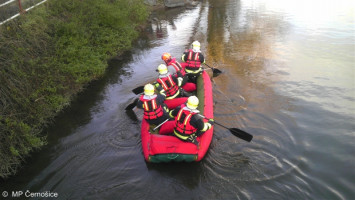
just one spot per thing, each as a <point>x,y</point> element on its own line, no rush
<point>159,147</point>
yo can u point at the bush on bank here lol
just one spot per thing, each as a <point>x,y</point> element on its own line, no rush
<point>47,56</point>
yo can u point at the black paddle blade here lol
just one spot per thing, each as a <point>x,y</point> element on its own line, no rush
<point>138,90</point>
<point>132,105</point>
<point>216,71</point>
<point>132,115</point>
<point>241,134</point>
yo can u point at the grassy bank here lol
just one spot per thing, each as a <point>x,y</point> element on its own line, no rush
<point>47,56</point>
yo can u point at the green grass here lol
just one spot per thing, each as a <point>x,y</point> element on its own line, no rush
<point>47,56</point>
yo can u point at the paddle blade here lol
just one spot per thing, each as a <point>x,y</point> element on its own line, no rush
<point>241,134</point>
<point>138,90</point>
<point>132,105</point>
<point>216,72</point>
<point>132,115</point>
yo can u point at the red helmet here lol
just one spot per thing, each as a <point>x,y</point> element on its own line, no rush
<point>166,57</point>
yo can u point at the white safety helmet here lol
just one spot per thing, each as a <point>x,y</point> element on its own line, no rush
<point>192,102</point>
<point>149,89</point>
<point>196,46</point>
<point>162,69</point>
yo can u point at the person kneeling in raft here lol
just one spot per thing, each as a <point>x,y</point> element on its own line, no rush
<point>179,72</point>
<point>188,124</point>
<point>170,84</point>
<point>155,110</point>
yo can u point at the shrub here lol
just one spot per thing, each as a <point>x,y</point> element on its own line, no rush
<point>47,56</point>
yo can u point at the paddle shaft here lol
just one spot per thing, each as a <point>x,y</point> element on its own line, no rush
<point>216,72</point>
<point>208,66</point>
<point>235,131</point>
<point>214,121</point>
<point>160,124</point>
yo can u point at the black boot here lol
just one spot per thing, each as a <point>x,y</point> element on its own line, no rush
<point>183,93</point>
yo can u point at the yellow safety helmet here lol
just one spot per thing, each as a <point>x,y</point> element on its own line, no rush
<point>148,89</point>
<point>192,102</point>
<point>196,46</point>
<point>162,69</point>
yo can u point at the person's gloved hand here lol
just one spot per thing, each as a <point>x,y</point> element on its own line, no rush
<point>211,121</point>
<point>180,81</point>
<point>166,109</point>
<point>162,92</point>
<point>171,114</point>
<point>192,139</point>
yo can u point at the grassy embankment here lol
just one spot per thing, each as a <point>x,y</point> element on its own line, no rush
<point>47,56</point>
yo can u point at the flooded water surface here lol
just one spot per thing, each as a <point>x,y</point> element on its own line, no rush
<point>288,79</point>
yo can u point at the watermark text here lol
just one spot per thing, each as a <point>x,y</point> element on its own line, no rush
<point>28,194</point>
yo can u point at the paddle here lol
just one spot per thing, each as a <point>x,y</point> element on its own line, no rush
<point>132,105</point>
<point>138,90</point>
<point>160,124</point>
<point>214,70</point>
<point>132,115</point>
<point>235,131</point>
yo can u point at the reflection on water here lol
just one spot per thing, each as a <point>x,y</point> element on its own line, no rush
<point>288,79</point>
<point>291,65</point>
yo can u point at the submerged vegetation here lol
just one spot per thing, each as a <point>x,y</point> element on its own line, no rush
<point>47,56</point>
